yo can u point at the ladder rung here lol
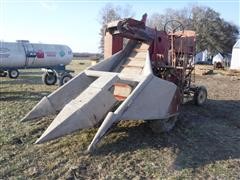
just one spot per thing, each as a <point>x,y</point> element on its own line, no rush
<point>131,66</point>
<point>136,58</point>
<point>139,50</point>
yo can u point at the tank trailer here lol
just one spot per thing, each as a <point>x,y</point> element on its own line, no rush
<point>52,58</point>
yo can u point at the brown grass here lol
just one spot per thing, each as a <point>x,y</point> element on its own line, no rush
<point>205,144</point>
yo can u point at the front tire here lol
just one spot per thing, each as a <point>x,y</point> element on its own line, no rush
<point>49,78</point>
<point>3,74</point>
<point>200,95</point>
<point>13,74</point>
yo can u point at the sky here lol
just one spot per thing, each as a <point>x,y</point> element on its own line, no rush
<point>76,22</point>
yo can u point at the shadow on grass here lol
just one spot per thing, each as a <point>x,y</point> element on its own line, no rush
<point>23,80</point>
<point>31,73</point>
<point>202,135</point>
<point>23,95</point>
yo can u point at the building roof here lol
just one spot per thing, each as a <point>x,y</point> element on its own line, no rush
<point>237,44</point>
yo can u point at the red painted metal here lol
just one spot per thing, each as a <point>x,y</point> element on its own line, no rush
<point>118,44</point>
<point>171,53</point>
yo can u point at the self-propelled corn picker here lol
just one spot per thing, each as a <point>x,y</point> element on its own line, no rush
<point>146,75</point>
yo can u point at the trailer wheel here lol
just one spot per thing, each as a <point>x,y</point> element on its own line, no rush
<point>200,95</point>
<point>49,78</point>
<point>64,78</point>
<point>3,73</point>
<point>163,125</point>
<point>13,74</point>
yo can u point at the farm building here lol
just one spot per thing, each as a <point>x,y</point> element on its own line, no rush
<point>235,62</point>
<point>218,58</point>
<point>201,57</point>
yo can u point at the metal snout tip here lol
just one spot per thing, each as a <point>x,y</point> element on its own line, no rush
<point>90,148</point>
<point>38,141</point>
<point>24,119</point>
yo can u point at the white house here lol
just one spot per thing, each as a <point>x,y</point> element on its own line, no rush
<point>201,56</point>
<point>235,62</point>
<point>218,58</point>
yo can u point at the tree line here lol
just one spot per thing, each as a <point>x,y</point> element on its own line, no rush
<point>213,32</point>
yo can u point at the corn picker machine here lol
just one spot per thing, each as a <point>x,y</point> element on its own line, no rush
<point>146,78</point>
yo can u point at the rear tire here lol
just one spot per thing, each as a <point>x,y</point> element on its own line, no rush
<point>64,78</point>
<point>13,74</point>
<point>49,78</point>
<point>200,95</point>
<point>163,125</point>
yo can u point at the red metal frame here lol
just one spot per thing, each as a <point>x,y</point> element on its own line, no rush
<point>171,53</point>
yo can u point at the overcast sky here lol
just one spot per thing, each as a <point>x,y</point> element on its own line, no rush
<point>75,22</point>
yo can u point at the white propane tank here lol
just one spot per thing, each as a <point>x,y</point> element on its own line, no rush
<point>22,54</point>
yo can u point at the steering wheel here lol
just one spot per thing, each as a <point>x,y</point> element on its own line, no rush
<point>174,26</point>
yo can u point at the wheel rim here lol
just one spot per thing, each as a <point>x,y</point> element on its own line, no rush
<point>66,79</point>
<point>14,73</point>
<point>201,97</point>
<point>51,79</point>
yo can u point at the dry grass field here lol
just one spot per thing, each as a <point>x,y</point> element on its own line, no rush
<point>205,144</point>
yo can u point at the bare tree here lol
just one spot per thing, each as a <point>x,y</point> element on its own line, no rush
<point>213,33</point>
<point>158,21</point>
<point>111,13</point>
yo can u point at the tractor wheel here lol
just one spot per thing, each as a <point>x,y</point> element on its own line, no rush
<point>200,95</point>
<point>64,78</point>
<point>13,74</point>
<point>49,78</point>
<point>163,125</point>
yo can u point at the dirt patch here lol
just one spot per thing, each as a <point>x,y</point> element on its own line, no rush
<point>203,69</point>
